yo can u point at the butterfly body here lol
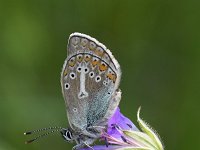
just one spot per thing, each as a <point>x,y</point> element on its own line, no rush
<point>89,79</point>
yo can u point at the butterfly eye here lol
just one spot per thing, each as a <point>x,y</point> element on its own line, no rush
<point>67,135</point>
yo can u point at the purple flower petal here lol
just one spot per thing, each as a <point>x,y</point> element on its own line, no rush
<point>103,147</point>
<point>118,120</point>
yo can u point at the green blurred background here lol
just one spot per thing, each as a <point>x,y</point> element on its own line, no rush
<point>157,43</point>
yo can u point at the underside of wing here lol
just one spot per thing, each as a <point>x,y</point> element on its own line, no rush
<point>89,79</point>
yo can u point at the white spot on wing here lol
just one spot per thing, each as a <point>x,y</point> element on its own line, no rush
<point>98,78</point>
<point>75,109</point>
<point>67,86</point>
<point>82,93</point>
<point>72,75</point>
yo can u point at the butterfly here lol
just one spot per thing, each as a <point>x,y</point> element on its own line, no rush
<point>90,81</point>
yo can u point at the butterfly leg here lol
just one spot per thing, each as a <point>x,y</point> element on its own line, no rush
<point>97,129</point>
<point>91,134</point>
<point>88,145</point>
<point>85,142</point>
<point>78,146</point>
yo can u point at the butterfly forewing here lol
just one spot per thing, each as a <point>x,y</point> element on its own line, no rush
<point>89,79</point>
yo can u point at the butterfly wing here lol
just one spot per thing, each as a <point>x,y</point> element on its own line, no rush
<point>89,80</point>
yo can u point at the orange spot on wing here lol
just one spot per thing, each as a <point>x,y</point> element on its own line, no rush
<point>79,58</point>
<point>65,72</point>
<point>99,51</point>
<point>103,67</point>
<point>111,76</point>
<point>72,62</point>
<point>87,58</point>
<point>94,62</point>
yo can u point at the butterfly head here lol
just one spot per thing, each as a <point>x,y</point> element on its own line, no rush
<point>67,135</point>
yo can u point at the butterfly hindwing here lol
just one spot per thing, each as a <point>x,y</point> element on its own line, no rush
<point>89,79</point>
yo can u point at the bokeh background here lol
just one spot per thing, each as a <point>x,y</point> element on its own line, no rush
<point>157,43</point>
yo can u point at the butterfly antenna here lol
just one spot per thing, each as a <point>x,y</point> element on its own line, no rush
<point>42,135</point>
<point>43,129</point>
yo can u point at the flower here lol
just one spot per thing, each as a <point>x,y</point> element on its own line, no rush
<point>118,120</point>
<point>122,134</point>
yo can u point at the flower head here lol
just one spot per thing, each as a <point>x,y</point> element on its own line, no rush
<point>122,134</point>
